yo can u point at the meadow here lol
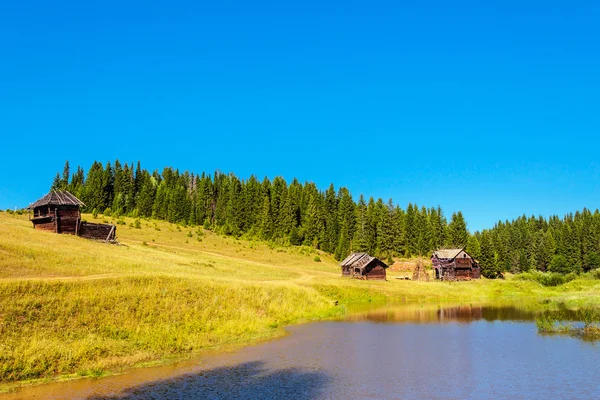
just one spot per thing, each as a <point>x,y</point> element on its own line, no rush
<point>71,307</point>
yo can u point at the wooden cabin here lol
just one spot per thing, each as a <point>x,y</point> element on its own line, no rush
<point>363,266</point>
<point>454,265</point>
<point>59,212</point>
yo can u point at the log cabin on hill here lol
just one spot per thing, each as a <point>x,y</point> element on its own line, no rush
<point>59,212</point>
<point>363,266</point>
<point>454,264</point>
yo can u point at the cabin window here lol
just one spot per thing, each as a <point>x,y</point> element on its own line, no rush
<point>464,256</point>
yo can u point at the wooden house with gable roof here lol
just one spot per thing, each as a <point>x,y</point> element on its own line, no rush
<point>59,212</point>
<point>363,266</point>
<point>454,264</point>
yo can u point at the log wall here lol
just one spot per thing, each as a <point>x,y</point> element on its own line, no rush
<point>47,225</point>
<point>376,273</point>
<point>90,230</point>
<point>68,219</point>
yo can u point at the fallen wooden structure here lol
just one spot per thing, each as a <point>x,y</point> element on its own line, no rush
<point>364,266</point>
<point>59,212</point>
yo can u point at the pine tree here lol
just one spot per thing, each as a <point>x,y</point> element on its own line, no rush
<point>313,225</point>
<point>347,217</point>
<point>386,232</point>
<point>457,230</point>
<point>488,259</point>
<point>56,183</point>
<point>64,182</point>
<point>360,239</point>
<point>266,223</point>
<point>331,220</point>
<point>399,239</point>
<point>473,247</point>
<point>146,195</point>
<point>410,232</point>
<point>95,188</point>
<point>372,221</point>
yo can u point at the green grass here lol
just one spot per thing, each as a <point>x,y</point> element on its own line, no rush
<point>72,307</point>
<point>556,323</point>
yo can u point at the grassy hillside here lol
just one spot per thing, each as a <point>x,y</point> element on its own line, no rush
<point>73,307</point>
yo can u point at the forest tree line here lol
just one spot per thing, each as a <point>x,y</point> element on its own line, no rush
<point>331,220</point>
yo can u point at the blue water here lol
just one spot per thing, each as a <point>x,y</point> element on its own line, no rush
<point>408,354</point>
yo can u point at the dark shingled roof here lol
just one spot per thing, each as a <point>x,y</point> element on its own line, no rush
<point>359,260</point>
<point>57,198</point>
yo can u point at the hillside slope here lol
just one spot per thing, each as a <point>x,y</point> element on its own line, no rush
<point>73,307</point>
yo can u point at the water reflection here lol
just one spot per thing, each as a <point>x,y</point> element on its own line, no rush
<point>442,314</point>
<point>408,352</point>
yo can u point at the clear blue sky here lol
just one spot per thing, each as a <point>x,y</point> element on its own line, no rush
<point>488,107</point>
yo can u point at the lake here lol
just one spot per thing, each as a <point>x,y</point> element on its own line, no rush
<point>409,352</point>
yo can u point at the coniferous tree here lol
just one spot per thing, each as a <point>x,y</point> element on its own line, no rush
<point>488,259</point>
<point>473,247</point>
<point>399,239</point>
<point>386,236</point>
<point>360,239</point>
<point>331,220</point>
<point>313,225</point>
<point>146,195</point>
<point>422,237</point>
<point>56,183</point>
<point>95,189</point>
<point>346,217</point>
<point>410,230</point>
<point>457,231</point>
<point>266,223</point>
<point>64,182</point>
<point>372,220</point>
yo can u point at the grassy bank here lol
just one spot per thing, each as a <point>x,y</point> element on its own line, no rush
<point>73,307</point>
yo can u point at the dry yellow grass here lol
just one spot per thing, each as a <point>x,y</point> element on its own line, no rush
<point>74,307</point>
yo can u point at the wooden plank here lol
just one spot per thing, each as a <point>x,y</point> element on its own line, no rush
<point>110,233</point>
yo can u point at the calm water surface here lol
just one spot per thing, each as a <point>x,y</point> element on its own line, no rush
<point>394,353</point>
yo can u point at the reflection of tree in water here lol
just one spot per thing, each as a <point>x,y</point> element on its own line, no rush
<point>245,381</point>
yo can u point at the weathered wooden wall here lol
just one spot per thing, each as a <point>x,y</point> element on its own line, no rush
<point>68,219</point>
<point>463,262</point>
<point>463,273</point>
<point>346,272</point>
<point>90,230</point>
<point>376,273</point>
<point>45,224</point>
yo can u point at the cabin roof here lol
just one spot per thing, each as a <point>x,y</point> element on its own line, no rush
<point>352,258</point>
<point>447,253</point>
<point>359,260</point>
<point>57,198</point>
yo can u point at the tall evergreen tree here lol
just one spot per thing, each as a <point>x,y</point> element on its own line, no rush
<point>457,231</point>
<point>64,182</point>
<point>386,235</point>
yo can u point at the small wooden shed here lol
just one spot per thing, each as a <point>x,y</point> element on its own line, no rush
<point>363,266</point>
<point>58,212</point>
<point>454,264</point>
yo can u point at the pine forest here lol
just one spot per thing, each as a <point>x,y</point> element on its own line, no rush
<point>332,220</point>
